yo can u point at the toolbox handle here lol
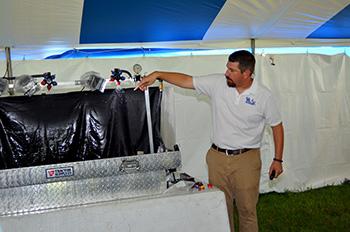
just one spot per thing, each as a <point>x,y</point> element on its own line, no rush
<point>129,165</point>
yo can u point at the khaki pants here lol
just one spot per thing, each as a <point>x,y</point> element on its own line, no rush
<point>238,177</point>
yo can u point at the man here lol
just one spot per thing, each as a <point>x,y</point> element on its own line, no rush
<point>240,109</point>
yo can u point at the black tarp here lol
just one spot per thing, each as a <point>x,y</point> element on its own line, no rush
<point>77,126</point>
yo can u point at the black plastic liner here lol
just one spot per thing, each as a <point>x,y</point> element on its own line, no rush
<point>77,126</point>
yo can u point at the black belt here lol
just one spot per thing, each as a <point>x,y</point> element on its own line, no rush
<point>230,152</point>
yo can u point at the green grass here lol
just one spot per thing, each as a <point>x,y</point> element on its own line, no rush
<point>324,209</point>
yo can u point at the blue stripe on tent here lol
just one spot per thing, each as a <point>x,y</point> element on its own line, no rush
<point>337,27</point>
<point>105,53</point>
<point>110,21</point>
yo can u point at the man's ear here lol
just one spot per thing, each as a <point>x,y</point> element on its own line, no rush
<point>247,73</point>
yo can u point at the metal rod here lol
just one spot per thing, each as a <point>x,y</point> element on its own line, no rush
<point>252,45</point>
<point>9,70</point>
<point>149,121</point>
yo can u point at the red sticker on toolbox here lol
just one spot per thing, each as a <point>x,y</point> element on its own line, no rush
<point>59,172</point>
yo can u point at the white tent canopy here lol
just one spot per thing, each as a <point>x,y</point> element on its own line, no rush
<point>36,29</point>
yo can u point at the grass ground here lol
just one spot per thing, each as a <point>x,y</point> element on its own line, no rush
<point>317,210</point>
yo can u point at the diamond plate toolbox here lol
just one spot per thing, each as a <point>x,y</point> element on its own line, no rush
<point>40,188</point>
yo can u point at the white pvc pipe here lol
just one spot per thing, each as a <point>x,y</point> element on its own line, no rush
<point>149,121</point>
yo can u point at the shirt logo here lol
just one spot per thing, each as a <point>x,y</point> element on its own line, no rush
<point>250,101</point>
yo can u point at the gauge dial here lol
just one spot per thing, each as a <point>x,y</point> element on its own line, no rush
<point>137,68</point>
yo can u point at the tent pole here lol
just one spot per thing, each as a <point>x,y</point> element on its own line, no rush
<point>9,70</point>
<point>252,45</point>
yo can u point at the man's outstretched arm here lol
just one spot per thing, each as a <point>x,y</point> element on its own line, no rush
<point>178,79</point>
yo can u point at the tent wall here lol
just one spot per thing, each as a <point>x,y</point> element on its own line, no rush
<point>313,94</point>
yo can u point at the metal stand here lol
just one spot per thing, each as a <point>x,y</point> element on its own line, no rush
<point>9,70</point>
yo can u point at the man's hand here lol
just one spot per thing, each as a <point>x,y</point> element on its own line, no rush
<point>146,81</point>
<point>277,167</point>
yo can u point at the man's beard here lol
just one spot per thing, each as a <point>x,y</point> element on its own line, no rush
<point>230,83</point>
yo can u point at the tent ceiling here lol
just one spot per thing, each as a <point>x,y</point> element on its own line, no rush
<point>51,25</point>
<point>150,21</point>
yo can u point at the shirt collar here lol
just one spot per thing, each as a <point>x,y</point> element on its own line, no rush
<point>252,88</point>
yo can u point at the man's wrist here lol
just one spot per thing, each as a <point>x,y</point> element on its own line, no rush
<point>278,160</point>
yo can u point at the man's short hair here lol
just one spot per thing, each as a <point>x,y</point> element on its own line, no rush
<point>245,59</point>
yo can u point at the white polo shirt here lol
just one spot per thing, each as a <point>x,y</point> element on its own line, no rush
<point>238,119</point>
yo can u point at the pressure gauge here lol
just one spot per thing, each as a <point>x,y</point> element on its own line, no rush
<point>137,68</point>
